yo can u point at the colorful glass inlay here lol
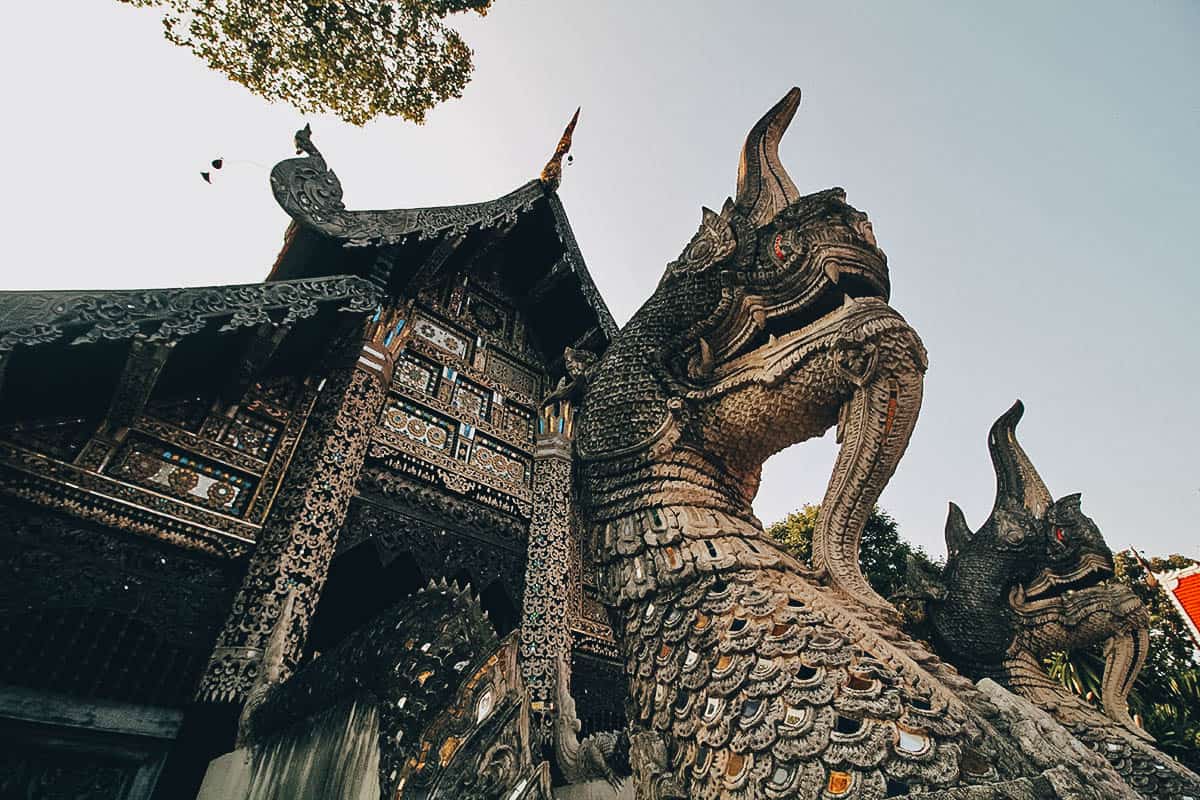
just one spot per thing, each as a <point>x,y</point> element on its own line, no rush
<point>186,477</point>
<point>418,424</point>
<point>415,374</point>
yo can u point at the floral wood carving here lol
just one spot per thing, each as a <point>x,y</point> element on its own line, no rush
<point>545,623</point>
<point>300,534</point>
<point>168,315</point>
<point>311,194</point>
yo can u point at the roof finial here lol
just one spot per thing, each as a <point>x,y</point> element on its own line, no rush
<point>1151,578</point>
<point>552,173</point>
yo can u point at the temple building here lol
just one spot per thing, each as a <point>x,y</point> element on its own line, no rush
<point>1183,587</point>
<point>212,496</point>
<point>372,529</point>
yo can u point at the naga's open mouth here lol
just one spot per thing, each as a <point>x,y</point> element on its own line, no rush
<point>785,340</point>
<point>852,286</point>
<point>1093,569</point>
<point>852,273</point>
<point>1083,607</point>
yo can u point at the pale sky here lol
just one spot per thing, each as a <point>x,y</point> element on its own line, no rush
<point>1030,169</point>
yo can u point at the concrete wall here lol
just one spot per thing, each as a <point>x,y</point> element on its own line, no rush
<point>332,756</point>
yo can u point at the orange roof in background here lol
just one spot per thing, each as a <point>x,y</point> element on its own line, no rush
<point>1183,587</point>
<point>1188,594</point>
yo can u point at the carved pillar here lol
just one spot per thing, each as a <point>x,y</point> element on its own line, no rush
<point>298,538</point>
<point>545,633</point>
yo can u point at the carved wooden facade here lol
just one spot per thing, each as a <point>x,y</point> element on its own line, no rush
<point>228,438</point>
<point>116,411</point>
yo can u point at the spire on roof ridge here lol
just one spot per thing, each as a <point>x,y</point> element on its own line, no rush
<point>551,175</point>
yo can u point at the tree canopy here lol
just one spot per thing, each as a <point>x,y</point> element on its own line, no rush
<point>883,555</point>
<point>358,59</point>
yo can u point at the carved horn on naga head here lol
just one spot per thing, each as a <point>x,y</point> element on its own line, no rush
<point>1017,482</point>
<point>763,186</point>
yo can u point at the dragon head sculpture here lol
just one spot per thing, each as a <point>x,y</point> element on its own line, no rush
<point>770,328</point>
<point>751,675</point>
<point>1034,579</point>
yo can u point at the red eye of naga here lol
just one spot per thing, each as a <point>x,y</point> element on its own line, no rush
<point>779,247</point>
<point>1058,534</point>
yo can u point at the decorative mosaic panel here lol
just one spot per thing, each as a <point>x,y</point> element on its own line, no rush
<point>415,373</point>
<point>515,377</point>
<point>251,434</point>
<point>479,472</point>
<point>441,336</point>
<point>488,315</point>
<point>419,425</point>
<point>461,373</point>
<point>504,462</point>
<point>516,421</point>
<point>470,399</point>
<point>181,472</point>
<point>184,476</point>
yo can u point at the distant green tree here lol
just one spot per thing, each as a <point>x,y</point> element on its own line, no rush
<point>358,59</point>
<point>795,532</point>
<point>883,555</point>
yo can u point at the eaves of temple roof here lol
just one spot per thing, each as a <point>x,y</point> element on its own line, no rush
<point>524,237</point>
<point>333,260</point>
<point>64,352</point>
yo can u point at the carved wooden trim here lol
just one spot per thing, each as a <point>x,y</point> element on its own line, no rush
<point>168,315</point>
<point>300,534</point>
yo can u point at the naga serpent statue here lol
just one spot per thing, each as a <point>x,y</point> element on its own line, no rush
<point>1034,579</point>
<point>751,676</point>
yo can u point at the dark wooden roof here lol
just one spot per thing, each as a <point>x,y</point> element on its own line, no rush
<point>402,248</point>
<point>333,260</point>
<point>169,315</point>
<point>62,353</point>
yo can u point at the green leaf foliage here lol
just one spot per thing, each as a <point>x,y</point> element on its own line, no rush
<point>358,59</point>
<point>883,555</point>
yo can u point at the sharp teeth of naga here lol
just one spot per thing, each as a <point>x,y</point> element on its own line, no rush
<point>833,272</point>
<point>847,300</point>
<point>771,339</point>
<point>759,317</point>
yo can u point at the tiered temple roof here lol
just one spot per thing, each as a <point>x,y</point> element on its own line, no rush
<point>147,438</point>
